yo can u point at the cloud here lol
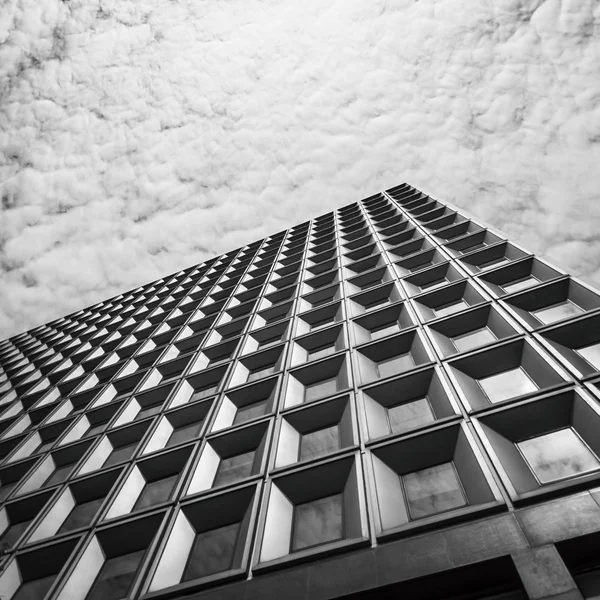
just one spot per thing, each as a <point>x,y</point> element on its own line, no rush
<point>139,138</point>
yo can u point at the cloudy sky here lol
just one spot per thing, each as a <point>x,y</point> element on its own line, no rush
<point>140,137</point>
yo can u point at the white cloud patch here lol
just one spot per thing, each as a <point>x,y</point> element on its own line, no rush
<point>140,137</point>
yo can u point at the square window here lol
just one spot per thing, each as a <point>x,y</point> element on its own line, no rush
<point>321,352</point>
<point>212,552</point>
<point>450,309</point>
<point>395,365</point>
<point>260,373</point>
<point>520,284</point>
<point>184,434</point>
<point>116,576</point>
<point>234,468</point>
<point>119,454</point>
<point>319,442</point>
<point>410,415</point>
<point>250,411</point>
<point>320,389</point>
<point>507,384</point>
<point>474,339</point>
<point>81,515</point>
<point>318,522</point>
<point>557,455</point>
<point>591,354</point>
<point>433,490</point>
<point>557,312</point>
<point>34,589</point>
<point>155,492</point>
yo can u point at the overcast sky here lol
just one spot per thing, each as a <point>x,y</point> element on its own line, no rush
<point>140,137</point>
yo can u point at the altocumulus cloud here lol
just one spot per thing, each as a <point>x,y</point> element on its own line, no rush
<point>140,137</point>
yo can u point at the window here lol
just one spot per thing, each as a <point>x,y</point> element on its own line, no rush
<point>6,489</point>
<point>81,515</point>
<point>234,468</point>
<point>268,341</point>
<point>557,455</point>
<point>473,339</point>
<point>384,331</point>
<point>473,247</point>
<point>318,522</point>
<point>116,576</point>
<point>14,532</point>
<point>520,284</point>
<point>375,303</point>
<point>185,433</point>
<point>204,393</point>
<point>155,492</point>
<point>320,389</point>
<point>450,309</point>
<point>119,454</point>
<point>34,589</point>
<point>433,284</point>
<point>59,475</point>
<point>322,323</point>
<point>557,312</point>
<point>319,442</point>
<point>507,384</point>
<point>410,415</point>
<point>493,262</point>
<point>591,354</point>
<point>212,552</point>
<point>94,429</point>
<point>148,411</point>
<point>44,446</point>
<point>250,411</point>
<point>395,365</point>
<point>260,373</point>
<point>321,352</point>
<point>433,490</point>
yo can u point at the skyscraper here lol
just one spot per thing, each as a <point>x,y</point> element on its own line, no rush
<point>388,401</point>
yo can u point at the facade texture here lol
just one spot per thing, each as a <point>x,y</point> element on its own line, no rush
<point>388,401</point>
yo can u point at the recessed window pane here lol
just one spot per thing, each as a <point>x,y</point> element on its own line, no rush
<point>81,515</point>
<point>320,389</point>
<point>521,284</point>
<point>589,584</point>
<point>14,532</point>
<point>429,285</point>
<point>395,365</point>
<point>375,303</point>
<point>321,352</point>
<point>558,312</point>
<point>185,433</point>
<point>450,309</point>
<point>494,262</point>
<point>212,552</point>
<point>474,339</point>
<point>234,468</point>
<point>384,331</point>
<point>507,384</point>
<point>557,455</point>
<point>250,411</point>
<point>94,429</point>
<point>155,492</point>
<point>319,324</point>
<point>433,490</point>
<point>473,247</point>
<point>6,489</point>
<point>319,442</point>
<point>148,411</point>
<point>317,522</point>
<point>591,354</point>
<point>260,373</point>
<point>204,393</point>
<point>116,576</point>
<point>120,454</point>
<point>410,415</point>
<point>59,474</point>
<point>35,589</point>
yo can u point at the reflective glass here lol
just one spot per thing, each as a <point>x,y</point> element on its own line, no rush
<point>591,354</point>
<point>234,468</point>
<point>81,515</point>
<point>148,411</point>
<point>318,522</point>
<point>59,474</point>
<point>558,312</point>
<point>474,339</point>
<point>116,576</point>
<point>376,303</point>
<point>321,352</point>
<point>521,284</point>
<point>6,489</point>
<point>260,373</point>
<point>558,455</point>
<point>212,552</point>
<point>320,389</point>
<point>14,532</point>
<point>319,442</point>
<point>589,584</point>
<point>155,492</point>
<point>433,490</point>
<point>384,331</point>
<point>507,384</point>
<point>494,262</point>
<point>395,365</point>
<point>204,393</point>
<point>250,411</point>
<point>428,285</point>
<point>185,433</point>
<point>94,429</point>
<point>35,589</point>
<point>410,415</point>
<point>119,454</point>
<point>449,309</point>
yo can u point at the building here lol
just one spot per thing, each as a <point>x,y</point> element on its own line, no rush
<point>388,401</point>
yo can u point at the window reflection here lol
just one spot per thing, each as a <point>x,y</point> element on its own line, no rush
<point>59,474</point>
<point>433,490</point>
<point>234,468</point>
<point>155,492</point>
<point>119,454</point>
<point>474,339</point>
<point>250,411</point>
<point>507,384</point>
<point>319,442</point>
<point>520,284</point>
<point>321,352</point>
<point>81,515</point>
<point>116,576</point>
<point>384,331</point>
<point>558,312</point>
<point>410,415</point>
<point>260,373</point>
<point>203,393</point>
<point>318,522</point>
<point>591,354</point>
<point>184,433</point>
<point>14,532</point>
<point>395,365</point>
<point>557,455</point>
<point>449,309</point>
<point>34,589</point>
<point>212,552</point>
<point>320,389</point>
